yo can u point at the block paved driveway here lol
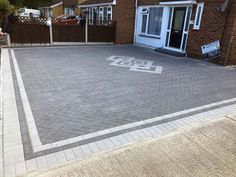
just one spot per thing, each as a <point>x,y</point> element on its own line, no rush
<point>74,91</point>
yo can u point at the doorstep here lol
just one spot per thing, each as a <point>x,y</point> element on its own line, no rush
<point>170,52</point>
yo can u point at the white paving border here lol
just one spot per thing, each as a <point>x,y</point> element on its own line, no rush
<point>35,140</point>
<point>15,164</point>
<point>12,143</point>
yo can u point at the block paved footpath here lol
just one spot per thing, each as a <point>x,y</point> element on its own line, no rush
<point>207,149</point>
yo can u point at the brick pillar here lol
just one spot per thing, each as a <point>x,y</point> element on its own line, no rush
<point>124,15</point>
<point>229,37</point>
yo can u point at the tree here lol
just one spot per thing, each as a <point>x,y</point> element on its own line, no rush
<point>4,6</point>
<point>28,3</point>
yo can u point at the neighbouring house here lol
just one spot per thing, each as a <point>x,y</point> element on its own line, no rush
<point>61,7</point>
<point>120,11</point>
<point>99,9</point>
<point>71,7</point>
<point>184,26</point>
<point>53,8</point>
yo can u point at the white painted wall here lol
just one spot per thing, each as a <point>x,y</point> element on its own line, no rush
<point>152,42</point>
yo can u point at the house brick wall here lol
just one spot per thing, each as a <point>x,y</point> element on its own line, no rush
<point>211,29</point>
<point>229,39</point>
<point>148,2</point>
<point>124,15</point>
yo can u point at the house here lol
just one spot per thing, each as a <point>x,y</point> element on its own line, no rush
<point>184,26</point>
<point>56,8</point>
<point>53,8</point>
<point>120,11</point>
<point>99,9</point>
<point>71,7</point>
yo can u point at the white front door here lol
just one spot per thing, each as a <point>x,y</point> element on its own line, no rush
<point>178,27</point>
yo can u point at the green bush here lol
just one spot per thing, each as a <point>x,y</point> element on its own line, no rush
<point>5,6</point>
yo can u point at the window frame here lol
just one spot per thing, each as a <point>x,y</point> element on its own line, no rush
<point>147,13</point>
<point>197,24</point>
<point>102,15</point>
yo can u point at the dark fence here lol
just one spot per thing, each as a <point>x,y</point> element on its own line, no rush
<point>101,31</point>
<point>29,30</point>
<point>29,33</point>
<point>35,30</point>
<point>68,33</point>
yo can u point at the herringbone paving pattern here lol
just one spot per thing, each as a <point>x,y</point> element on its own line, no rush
<point>74,91</point>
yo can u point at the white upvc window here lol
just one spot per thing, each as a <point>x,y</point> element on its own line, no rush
<point>198,16</point>
<point>144,20</point>
<point>109,13</point>
<point>152,21</point>
<point>105,13</point>
<point>101,13</point>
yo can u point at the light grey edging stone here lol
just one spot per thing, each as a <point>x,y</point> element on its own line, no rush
<point>13,154</point>
<point>1,121</point>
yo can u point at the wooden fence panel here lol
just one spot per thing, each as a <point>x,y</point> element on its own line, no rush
<point>29,33</point>
<point>101,33</point>
<point>68,33</point>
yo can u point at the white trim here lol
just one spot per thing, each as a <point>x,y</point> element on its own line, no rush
<point>178,3</point>
<point>52,6</point>
<point>195,26</point>
<point>135,22</point>
<point>186,32</point>
<point>99,4</point>
<point>148,21</point>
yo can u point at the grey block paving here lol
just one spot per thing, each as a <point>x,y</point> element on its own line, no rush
<point>74,91</point>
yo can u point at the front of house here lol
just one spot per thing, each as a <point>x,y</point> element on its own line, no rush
<point>181,25</point>
<point>167,24</point>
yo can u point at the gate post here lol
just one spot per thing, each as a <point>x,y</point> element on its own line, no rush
<point>86,27</point>
<point>49,24</point>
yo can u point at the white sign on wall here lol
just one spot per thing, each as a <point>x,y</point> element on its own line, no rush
<point>214,46</point>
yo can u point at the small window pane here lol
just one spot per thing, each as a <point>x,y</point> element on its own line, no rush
<point>144,23</point>
<point>155,21</point>
<point>188,18</point>
<point>170,16</point>
<point>167,38</point>
<point>198,15</point>
<point>184,42</point>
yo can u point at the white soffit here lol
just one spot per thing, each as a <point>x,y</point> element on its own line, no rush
<point>99,4</point>
<point>178,2</point>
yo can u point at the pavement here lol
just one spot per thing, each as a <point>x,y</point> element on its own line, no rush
<point>64,104</point>
<point>203,150</point>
